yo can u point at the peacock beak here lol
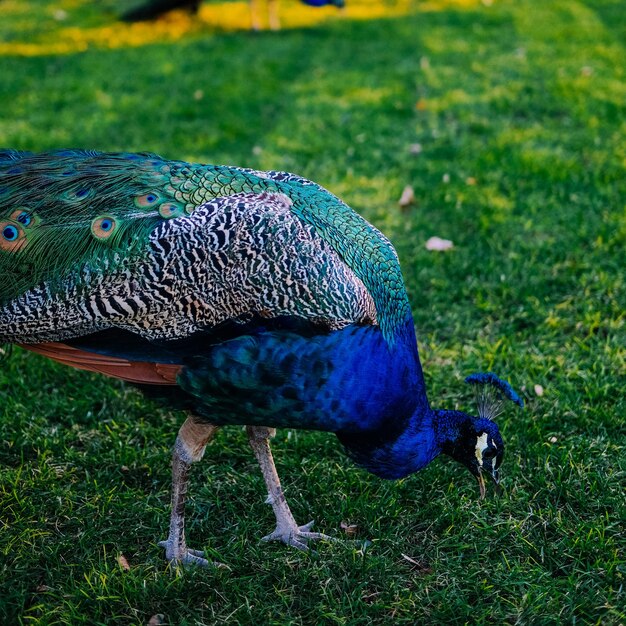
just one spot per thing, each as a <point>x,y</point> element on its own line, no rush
<point>481,484</point>
<point>493,476</point>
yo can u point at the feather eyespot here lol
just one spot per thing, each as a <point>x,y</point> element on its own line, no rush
<point>12,237</point>
<point>169,210</point>
<point>74,196</point>
<point>23,217</point>
<point>10,232</point>
<point>103,227</point>
<point>148,199</point>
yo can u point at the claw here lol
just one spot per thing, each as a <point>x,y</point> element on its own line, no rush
<point>298,536</point>
<point>187,557</point>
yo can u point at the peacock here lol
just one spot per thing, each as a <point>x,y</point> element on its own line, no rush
<point>155,8</point>
<point>243,297</point>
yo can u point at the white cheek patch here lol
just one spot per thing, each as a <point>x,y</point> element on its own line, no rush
<point>481,447</point>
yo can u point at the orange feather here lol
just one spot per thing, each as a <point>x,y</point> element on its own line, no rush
<point>139,372</point>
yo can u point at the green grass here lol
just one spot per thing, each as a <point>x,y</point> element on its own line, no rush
<point>526,98</point>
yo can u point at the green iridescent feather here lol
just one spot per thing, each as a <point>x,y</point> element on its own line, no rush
<point>66,195</point>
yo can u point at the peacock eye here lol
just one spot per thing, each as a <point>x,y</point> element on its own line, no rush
<point>10,233</point>
<point>148,199</point>
<point>12,236</point>
<point>170,209</point>
<point>24,218</point>
<point>103,227</point>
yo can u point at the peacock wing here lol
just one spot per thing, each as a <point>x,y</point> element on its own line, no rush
<point>366,251</point>
<point>235,257</point>
<point>85,237</point>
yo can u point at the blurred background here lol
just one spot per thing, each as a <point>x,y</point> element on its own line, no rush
<point>496,125</point>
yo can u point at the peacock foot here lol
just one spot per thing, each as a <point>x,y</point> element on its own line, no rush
<point>297,536</point>
<point>181,555</point>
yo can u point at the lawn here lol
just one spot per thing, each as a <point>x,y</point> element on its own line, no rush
<point>508,119</point>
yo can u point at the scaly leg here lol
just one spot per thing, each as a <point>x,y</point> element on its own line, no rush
<point>287,530</point>
<point>254,14</point>
<point>272,9</point>
<point>191,442</point>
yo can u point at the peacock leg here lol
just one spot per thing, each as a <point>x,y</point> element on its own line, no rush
<point>254,14</point>
<point>191,442</point>
<point>272,9</point>
<point>287,530</point>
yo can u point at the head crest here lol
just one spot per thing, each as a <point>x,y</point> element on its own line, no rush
<point>491,393</point>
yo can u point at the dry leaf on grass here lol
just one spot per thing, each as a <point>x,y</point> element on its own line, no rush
<point>407,197</point>
<point>123,562</point>
<point>368,598</point>
<point>349,529</point>
<point>439,244</point>
<point>420,567</point>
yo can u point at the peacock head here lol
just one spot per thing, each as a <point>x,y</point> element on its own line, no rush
<point>475,441</point>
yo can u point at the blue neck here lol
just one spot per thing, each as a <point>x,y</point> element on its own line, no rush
<point>403,440</point>
<point>427,434</point>
<point>382,384</point>
<point>400,454</point>
<point>449,426</point>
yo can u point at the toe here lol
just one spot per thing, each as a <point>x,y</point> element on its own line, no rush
<point>314,536</point>
<point>180,555</point>
<point>199,553</point>
<point>299,545</point>
<point>192,560</point>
